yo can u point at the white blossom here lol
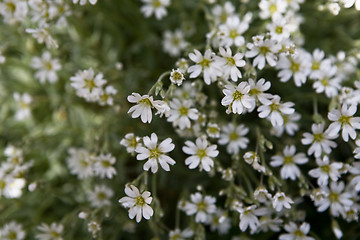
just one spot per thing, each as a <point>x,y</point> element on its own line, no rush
<point>138,203</point>
<point>155,153</point>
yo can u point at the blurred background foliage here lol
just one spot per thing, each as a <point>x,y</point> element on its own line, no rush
<point>99,36</point>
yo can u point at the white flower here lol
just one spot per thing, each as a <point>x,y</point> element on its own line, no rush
<point>248,218</point>
<point>155,6</point>
<point>12,231</point>
<point>275,109</point>
<point>272,8</point>
<point>334,198</point>
<point>252,158</point>
<point>230,64</point>
<point>290,125</point>
<point>288,162</point>
<point>319,140</point>
<point>279,28</point>
<point>46,67</point>
<point>80,163</point>
<point>296,66</point>
<point>94,228</point>
<point>220,221</point>
<point>202,154</point>
<point>83,2</point>
<point>221,13</point>
<point>43,35</point>
<point>177,234</point>
<point>200,205</point>
<point>13,11</point>
<point>234,137</point>
<point>174,42</point>
<point>326,80</point>
<point>52,232</point>
<point>100,196</point>
<point>138,203</point>
<point>261,194</point>
<point>23,100</point>
<point>130,141</point>
<point>326,171</point>
<point>213,130</point>
<point>350,3</point>
<point>143,106</point>
<point>343,120</point>
<point>357,149</point>
<point>258,88</point>
<point>263,51</point>
<point>181,112</point>
<point>296,232</point>
<point>105,97</point>
<point>205,64</point>
<point>88,85</point>
<point>155,153</point>
<point>230,33</point>
<point>237,99</point>
<point>177,76</point>
<point>104,166</point>
<point>280,201</point>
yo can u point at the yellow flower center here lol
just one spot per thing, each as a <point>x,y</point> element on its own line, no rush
<point>156,4</point>
<point>139,201</point>
<point>237,95</point>
<point>155,153</point>
<point>318,137</point>
<point>201,153</point>
<point>288,160</point>
<point>295,67</point>
<point>272,8</point>
<point>279,29</point>
<point>204,63</point>
<point>263,50</point>
<point>230,61</point>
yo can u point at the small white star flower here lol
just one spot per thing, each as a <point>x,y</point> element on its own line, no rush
<point>52,232</point>
<point>320,141</point>
<point>275,109</point>
<point>230,64</point>
<point>181,112</point>
<point>200,205</point>
<point>230,33</point>
<point>280,201</point>
<point>143,106</point>
<point>202,154</point>
<point>248,218</point>
<point>335,198</point>
<point>47,68</point>
<point>326,171</point>
<point>23,100</point>
<point>137,203</point>
<point>174,42</point>
<point>155,153</point>
<point>104,166</point>
<point>234,137</point>
<point>296,232</point>
<point>81,163</point>
<point>289,161</point>
<point>343,120</point>
<point>205,64</point>
<point>158,7</point>
<point>100,196</point>
<point>12,231</point>
<point>263,51</point>
<point>237,99</point>
<point>87,84</point>
<point>130,141</point>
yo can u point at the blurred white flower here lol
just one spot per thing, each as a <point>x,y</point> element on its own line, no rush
<point>52,232</point>
<point>47,68</point>
<point>158,7</point>
<point>202,206</point>
<point>201,154</point>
